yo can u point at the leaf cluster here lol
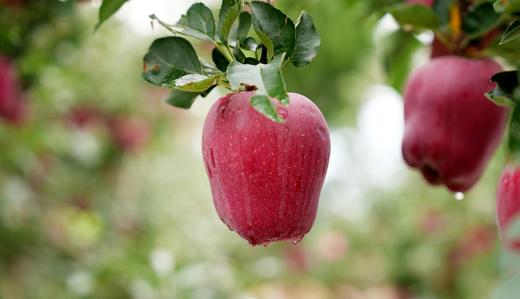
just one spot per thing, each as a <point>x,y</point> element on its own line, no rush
<point>253,42</point>
<point>457,24</point>
<point>507,94</point>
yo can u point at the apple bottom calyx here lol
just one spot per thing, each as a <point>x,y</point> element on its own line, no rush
<point>266,177</point>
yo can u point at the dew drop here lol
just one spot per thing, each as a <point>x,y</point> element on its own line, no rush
<point>459,196</point>
<point>296,240</point>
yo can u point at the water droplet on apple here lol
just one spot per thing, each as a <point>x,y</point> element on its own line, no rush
<point>459,196</point>
<point>296,240</point>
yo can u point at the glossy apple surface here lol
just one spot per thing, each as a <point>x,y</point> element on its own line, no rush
<point>508,204</point>
<point>266,177</point>
<point>451,128</point>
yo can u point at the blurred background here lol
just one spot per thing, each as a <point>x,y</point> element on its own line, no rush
<point>103,192</point>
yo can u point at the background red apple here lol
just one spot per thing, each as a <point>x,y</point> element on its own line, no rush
<point>451,129</point>
<point>266,177</point>
<point>129,133</point>
<point>82,115</point>
<point>508,204</point>
<point>13,107</point>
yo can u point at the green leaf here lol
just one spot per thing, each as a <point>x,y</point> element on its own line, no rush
<point>199,18</point>
<point>239,55</point>
<point>263,78</point>
<point>416,16</point>
<point>512,32</point>
<point>251,60</point>
<point>514,135</point>
<point>245,77</point>
<point>170,58</point>
<point>182,99</point>
<point>499,6</point>
<point>249,43</point>
<point>480,20</point>
<point>509,6</point>
<point>219,59</point>
<point>273,79</point>
<point>196,82</point>
<point>267,46</point>
<point>397,54</point>
<point>263,104</point>
<point>241,28</point>
<point>272,24</point>
<point>229,12</point>
<point>307,41</point>
<point>442,9</point>
<point>107,9</point>
<point>504,94</point>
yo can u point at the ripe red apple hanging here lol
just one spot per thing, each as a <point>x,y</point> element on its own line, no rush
<point>451,129</point>
<point>266,151</point>
<point>266,177</point>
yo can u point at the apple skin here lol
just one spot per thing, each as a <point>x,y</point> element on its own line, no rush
<point>13,108</point>
<point>451,129</point>
<point>508,204</point>
<point>266,177</point>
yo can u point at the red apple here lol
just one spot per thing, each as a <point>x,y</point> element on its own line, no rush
<point>13,108</point>
<point>83,115</point>
<point>508,204</point>
<point>474,242</point>
<point>451,129</point>
<point>129,133</point>
<point>266,177</point>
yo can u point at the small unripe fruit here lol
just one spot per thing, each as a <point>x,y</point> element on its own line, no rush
<point>266,177</point>
<point>451,128</point>
<point>508,204</point>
